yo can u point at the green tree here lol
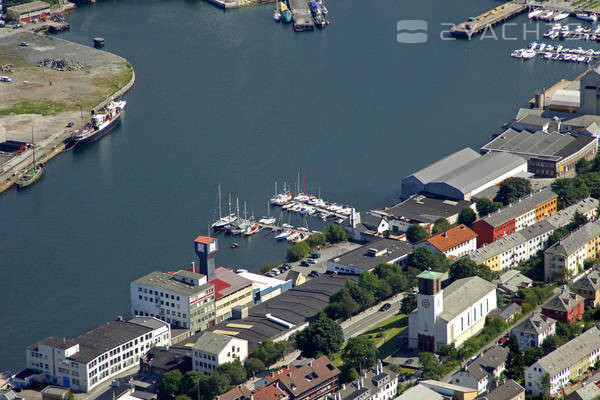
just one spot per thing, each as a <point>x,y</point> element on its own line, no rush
<point>432,368</point>
<point>359,353</point>
<point>578,220</point>
<point>422,258</point>
<point>361,295</point>
<point>323,337</point>
<point>369,281</point>
<point>570,191</point>
<point>266,267</point>
<point>449,351</point>
<point>513,189</point>
<point>268,352</point>
<point>532,354</point>
<point>485,206</point>
<point>545,384</point>
<point>398,283</point>
<point>385,270</point>
<point>182,397</point>
<point>416,232</point>
<point>466,216</point>
<point>352,374</point>
<point>316,239</point>
<point>384,290</point>
<point>583,166</point>
<point>194,383</point>
<point>463,268</point>
<point>440,225</point>
<point>234,370</point>
<point>219,383</point>
<point>253,366</point>
<point>298,251</point>
<point>408,303</point>
<point>70,395</point>
<point>170,385</point>
<point>335,233</point>
<point>515,362</point>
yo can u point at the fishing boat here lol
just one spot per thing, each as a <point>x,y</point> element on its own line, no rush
<point>587,16</point>
<point>99,124</point>
<point>560,16</point>
<point>33,174</point>
<point>286,14</point>
<point>223,220</point>
<point>535,13</point>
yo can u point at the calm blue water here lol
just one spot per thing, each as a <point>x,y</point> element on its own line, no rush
<point>233,98</point>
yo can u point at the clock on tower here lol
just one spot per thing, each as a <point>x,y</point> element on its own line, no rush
<point>206,247</point>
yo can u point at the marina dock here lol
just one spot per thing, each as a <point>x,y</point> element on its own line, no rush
<point>302,18</point>
<point>484,21</point>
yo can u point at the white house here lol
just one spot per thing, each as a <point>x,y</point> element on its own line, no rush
<point>457,241</point>
<point>86,361</point>
<point>213,349</point>
<point>451,315</point>
<point>567,362</point>
<point>534,330</point>
<point>482,371</point>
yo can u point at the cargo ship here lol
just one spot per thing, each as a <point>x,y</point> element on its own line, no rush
<point>99,124</point>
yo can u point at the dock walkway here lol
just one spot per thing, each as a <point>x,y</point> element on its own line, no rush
<point>302,18</point>
<point>486,20</point>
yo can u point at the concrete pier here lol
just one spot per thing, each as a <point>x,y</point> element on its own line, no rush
<point>302,18</point>
<point>479,24</point>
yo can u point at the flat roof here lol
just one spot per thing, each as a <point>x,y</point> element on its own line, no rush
<point>441,167</point>
<point>425,208</point>
<point>359,258</point>
<point>167,281</point>
<point>211,342</point>
<point>29,7</point>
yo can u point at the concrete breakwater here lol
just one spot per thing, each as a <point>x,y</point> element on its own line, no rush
<point>44,100</point>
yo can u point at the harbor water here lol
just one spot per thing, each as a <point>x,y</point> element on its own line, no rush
<point>236,99</point>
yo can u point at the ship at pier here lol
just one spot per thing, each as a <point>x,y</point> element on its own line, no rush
<point>100,123</point>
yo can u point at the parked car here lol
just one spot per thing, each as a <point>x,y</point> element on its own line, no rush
<point>311,260</point>
<point>503,340</point>
<point>23,44</point>
<point>287,266</point>
<point>70,124</point>
<point>316,255</point>
<point>275,271</point>
<point>385,307</point>
<point>5,79</point>
<point>304,263</point>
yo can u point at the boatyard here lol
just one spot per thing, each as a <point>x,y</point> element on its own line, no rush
<point>50,86</point>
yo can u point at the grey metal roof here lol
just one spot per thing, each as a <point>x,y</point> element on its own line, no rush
<point>587,392</point>
<point>507,391</point>
<point>564,216</point>
<point>448,163</point>
<point>29,7</point>
<point>419,392</point>
<point>571,243</point>
<point>477,172</point>
<point>166,281</point>
<point>536,324</point>
<point>423,208</point>
<point>507,311</point>
<point>520,207</point>
<point>462,293</point>
<point>571,352</point>
<point>148,322</point>
<point>211,342</point>
<point>565,301</point>
<point>358,257</point>
<point>589,281</point>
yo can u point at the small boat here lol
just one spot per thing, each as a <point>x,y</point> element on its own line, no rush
<point>587,16</point>
<point>560,16</point>
<point>99,124</point>
<point>547,15</point>
<point>535,13</point>
<point>287,226</point>
<point>283,235</point>
<point>251,230</point>
<point>234,245</point>
<point>33,174</point>
<point>528,54</point>
<point>267,220</point>
<point>286,14</point>
<point>276,16</point>
<point>292,236</point>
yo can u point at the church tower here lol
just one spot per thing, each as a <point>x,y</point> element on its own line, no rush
<point>430,303</point>
<point>206,247</point>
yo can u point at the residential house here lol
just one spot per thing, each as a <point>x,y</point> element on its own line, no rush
<point>213,349</point>
<point>241,392</point>
<point>511,281</point>
<point>377,383</point>
<point>509,390</point>
<point>506,313</point>
<point>515,217</point>
<point>449,390</point>
<point>482,371</point>
<point>588,287</point>
<point>565,306</point>
<point>565,258</point>
<point>457,241</point>
<point>586,392</point>
<point>569,362</point>
<point>534,330</point>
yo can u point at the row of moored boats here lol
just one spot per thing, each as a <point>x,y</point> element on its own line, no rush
<point>558,15</point>
<point>556,53</point>
<point>558,31</point>
<point>307,204</point>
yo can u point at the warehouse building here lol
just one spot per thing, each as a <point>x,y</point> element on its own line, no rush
<point>35,10</point>
<point>367,257</point>
<point>462,175</point>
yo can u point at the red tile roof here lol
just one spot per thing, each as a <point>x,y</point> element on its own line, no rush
<point>205,239</point>
<point>451,237</point>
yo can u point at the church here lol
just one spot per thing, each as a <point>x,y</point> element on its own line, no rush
<point>449,315</point>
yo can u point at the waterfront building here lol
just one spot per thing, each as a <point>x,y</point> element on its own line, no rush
<point>449,315</point>
<point>231,289</point>
<point>463,174</point>
<point>486,368</point>
<point>569,362</point>
<point>365,227</point>
<point>509,390</point>
<point>28,12</point>
<point>97,356</point>
<point>565,258</point>
<point>377,383</point>
<point>422,210</point>
<point>510,251</point>
<point>516,216</point>
<point>315,380</point>
<point>455,242</point>
<point>264,287</point>
<point>213,349</point>
<point>588,287</point>
<point>589,92</point>
<point>184,299</point>
<point>565,306</point>
<point>367,257</point>
<point>534,330</point>
<point>511,281</point>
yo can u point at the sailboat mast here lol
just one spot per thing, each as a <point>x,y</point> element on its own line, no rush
<point>237,205</point>
<point>33,146</point>
<point>298,184</point>
<point>275,188</point>
<point>229,202</point>
<point>220,216</point>
<point>245,215</point>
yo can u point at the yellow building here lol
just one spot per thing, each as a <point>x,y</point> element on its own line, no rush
<point>231,290</point>
<point>546,210</point>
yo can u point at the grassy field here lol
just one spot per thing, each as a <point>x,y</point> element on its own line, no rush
<point>382,335</point>
<point>106,86</point>
<point>43,107</point>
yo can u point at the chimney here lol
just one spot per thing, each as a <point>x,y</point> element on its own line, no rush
<point>362,382</point>
<point>193,266</point>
